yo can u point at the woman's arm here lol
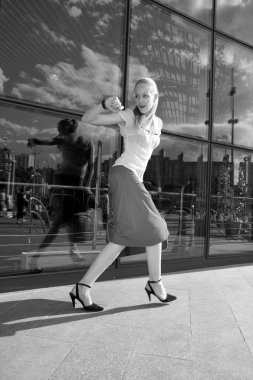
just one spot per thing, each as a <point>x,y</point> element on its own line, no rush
<point>98,116</point>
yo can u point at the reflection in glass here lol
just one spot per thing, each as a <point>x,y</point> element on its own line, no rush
<point>176,54</point>
<point>233,94</point>
<point>176,179</point>
<point>231,202</point>
<point>235,18</point>
<point>201,10</point>
<point>36,168</point>
<point>61,53</point>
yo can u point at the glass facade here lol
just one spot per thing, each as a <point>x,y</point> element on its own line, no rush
<point>59,57</point>
<point>235,18</point>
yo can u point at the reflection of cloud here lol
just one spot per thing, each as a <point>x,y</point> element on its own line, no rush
<point>60,40</point>
<point>175,146</point>
<point>49,131</point>
<point>245,66</point>
<point>198,130</point>
<point>233,3</point>
<point>103,21</point>
<point>235,18</point>
<point>3,79</point>
<point>21,142</point>
<point>55,156</point>
<point>74,11</point>
<point>243,131</point>
<point>96,133</point>
<point>68,87</point>
<point>17,128</point>
<point>137,71</point>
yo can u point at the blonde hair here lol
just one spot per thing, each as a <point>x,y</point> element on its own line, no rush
<point>139,117</point>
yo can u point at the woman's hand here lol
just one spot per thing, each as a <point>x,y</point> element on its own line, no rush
<point>31,143</point>
<point>113,104</point>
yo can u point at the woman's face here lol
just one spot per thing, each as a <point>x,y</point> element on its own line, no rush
<point>144,97</point>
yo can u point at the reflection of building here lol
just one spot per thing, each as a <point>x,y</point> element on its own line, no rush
<point>166,54</point>
<point>24,161</point>
<point>171,174</point>
<point>7,169</point>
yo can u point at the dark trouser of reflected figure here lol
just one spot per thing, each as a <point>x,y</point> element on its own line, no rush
<point>66,204</point>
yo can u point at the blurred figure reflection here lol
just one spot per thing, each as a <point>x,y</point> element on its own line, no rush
<point>76,169</point>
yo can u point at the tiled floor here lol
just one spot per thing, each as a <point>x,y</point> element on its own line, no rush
<point>205,334</point>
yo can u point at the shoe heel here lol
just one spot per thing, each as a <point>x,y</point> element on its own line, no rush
<point>91,308</point>
<point>73,299</point>
<point>148,293</point>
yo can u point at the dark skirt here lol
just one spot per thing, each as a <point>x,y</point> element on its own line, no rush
<point>136,222</point>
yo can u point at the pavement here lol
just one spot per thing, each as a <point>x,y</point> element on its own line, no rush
<point>205,334</point>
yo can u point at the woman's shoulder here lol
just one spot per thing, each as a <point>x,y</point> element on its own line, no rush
<point>159,124</point>
<point>127,115</point>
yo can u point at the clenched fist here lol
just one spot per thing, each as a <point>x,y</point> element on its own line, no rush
<point>113,104</point>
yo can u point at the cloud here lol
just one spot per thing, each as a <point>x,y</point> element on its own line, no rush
<point>59,40</point>
<point>243,132</point>
<point>232,3</point>
<point>17,128</point>
<point>66,86</point>
<point>21,142</point>
<point>3,79</point>
<point>74,11</point>
<point>198,130</point>
<point>55,156</point>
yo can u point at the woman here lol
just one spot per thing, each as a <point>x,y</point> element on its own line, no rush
<point>137,222</point>
<point>76,169</point>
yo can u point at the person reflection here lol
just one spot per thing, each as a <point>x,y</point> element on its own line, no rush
<point>76,169</point>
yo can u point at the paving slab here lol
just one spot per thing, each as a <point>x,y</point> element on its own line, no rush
<point>205,334</point>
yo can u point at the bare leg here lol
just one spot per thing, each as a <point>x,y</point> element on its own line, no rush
<point>154,257</point>
<point>108,254</point>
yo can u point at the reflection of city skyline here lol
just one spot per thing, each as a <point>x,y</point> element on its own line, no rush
<point>162,173</point>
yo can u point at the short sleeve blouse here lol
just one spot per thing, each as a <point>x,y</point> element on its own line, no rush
<point>139,142</point>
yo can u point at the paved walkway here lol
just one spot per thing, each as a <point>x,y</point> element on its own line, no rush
<point>207,333</point>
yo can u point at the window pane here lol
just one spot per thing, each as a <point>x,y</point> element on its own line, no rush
<point>201,10</point>
<point>37,167</point>
<point>235,18</point>
<point>176,54</point>
<point>61,53</point>
<point>176,179</point>
<point>231,202</point>
<point>233,116</point>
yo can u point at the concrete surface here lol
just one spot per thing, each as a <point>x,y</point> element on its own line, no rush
<point>205,334</point>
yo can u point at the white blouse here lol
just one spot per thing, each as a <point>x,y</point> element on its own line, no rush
<point>139,142</point>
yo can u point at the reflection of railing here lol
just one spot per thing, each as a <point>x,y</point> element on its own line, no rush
<point>32,212</point>
<point>98,179</point>
<point>181,209</point>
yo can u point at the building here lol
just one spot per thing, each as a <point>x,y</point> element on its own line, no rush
<point>58,57</point>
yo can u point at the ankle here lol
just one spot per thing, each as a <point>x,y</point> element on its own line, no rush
<point>154,280</point>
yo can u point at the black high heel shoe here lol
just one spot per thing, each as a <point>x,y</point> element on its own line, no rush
<point>150,291</point>
<point>92,308</point>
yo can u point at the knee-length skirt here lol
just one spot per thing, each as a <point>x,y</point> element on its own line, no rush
<point>135,220</point>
